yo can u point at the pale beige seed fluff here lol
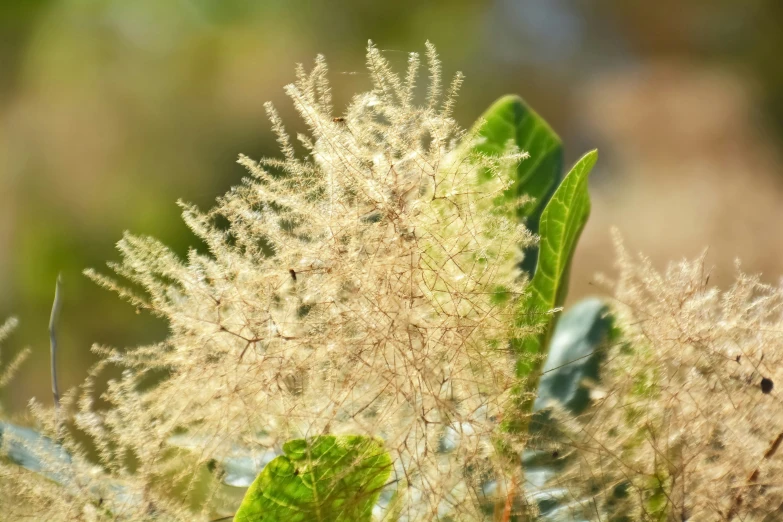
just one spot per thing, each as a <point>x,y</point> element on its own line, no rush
<point>364,283</point>
<point>680,419</point>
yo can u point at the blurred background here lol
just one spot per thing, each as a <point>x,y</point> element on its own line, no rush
<point>111,110</point>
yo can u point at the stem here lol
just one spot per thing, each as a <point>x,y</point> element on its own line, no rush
<point>53,350</point>
<point>512,493</point>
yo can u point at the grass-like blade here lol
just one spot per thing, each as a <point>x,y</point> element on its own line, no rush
<point>561,224</point>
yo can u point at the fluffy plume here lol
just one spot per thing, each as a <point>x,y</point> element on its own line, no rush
<point>687,422</point>
<point>368,286</point>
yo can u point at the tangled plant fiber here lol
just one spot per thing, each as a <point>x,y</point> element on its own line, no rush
<point>366,286</point>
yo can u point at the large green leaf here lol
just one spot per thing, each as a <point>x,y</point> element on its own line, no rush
<point>561,225</point>
<point>323,479</point>
<point>575,354</point>
<point>510,119</point>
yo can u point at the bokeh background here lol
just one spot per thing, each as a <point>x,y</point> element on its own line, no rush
<point>111,110</point>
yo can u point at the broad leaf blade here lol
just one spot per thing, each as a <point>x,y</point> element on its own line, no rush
<point>575,354</point>
<point>561,225</point>
<point>323,479</point>
<point>31,450</point>
<point>510,118</point>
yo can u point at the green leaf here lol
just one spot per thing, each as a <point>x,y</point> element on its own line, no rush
<point>575,354</point>
<point>560,227</point>
<point>323,479</point>
<point>31,450</point>
<point>509,118</point>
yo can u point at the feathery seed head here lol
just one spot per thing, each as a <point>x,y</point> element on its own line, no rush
<point>353,291</point>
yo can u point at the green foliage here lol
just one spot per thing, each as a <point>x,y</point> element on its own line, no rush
<point>560,227</point>
<point>323,479</point>
<point>558,213</point>
<point>558,220</point>
<point>510,119</point>
<point>575,355</point>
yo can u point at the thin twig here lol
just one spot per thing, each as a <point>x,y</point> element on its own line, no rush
<point>512,493</point>
<point>53,350</point>
<point>754,475</point>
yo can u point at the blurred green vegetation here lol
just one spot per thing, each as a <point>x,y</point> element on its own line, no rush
<point>111,110</point>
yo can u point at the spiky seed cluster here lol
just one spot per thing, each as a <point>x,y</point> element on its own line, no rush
<point>683,427</point>
<point>368,287</point>
<point>10,368</point>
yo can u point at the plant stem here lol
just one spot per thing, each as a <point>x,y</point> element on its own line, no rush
<point>53,350</point>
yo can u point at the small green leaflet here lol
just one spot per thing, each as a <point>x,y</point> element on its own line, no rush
<point>561,225</point>
<point>323,479</point>
<point>511,119</point>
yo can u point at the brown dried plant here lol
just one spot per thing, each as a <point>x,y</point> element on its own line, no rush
<point>687,421</point>
<point>367,285</point>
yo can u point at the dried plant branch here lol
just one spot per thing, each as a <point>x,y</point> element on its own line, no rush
<point>367,288</point>
<point>686,421</point>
